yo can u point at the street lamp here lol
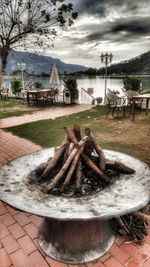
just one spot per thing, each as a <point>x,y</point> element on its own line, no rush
<point>106,58</point>
<point>22,68</point>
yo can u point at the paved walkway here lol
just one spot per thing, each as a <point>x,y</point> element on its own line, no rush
<point>18,230</point>
<point>48,113</point>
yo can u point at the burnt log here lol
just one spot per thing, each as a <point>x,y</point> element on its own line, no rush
<point>65,166</point>
<point>87,160</point>
<point>120,167</point>
<point>52,163</point>
<point>97,148</point>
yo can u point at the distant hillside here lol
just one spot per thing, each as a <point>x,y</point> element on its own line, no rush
<point>38,64</point>
<point>139,65</point>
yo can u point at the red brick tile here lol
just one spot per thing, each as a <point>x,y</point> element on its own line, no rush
<point>7,219</point>
<point>10,244</point>
<point>112,262</point>
<point>31,230</point>
<point>37,260</point>
<point>22,219</point>
<point>12,211</point>
<point>19,259</point>
<point>4,258</point>
<point>27,214</point>
<point>131,263</point>
<point>16,230</point>
<point>147,239</point>
<point>26,244</point>
<point>119,254</point>
<point>96,263</point>
<point>145,249</point>
<point>1,245</point>
<point>134,252</point>
<point>36,220</point>
<point>3,210</point>
<point>105,257</point>
<point>119,241</point>
<point>54,263</point>
<point>147,263</point>
<point>3,231</point>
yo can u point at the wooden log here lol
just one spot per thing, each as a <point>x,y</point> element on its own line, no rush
<point>68,150</point>
<point>40,169</point>
<point>65,166</point>
<point>93,166</point>
<point>78,176</point>
<point>52,163</point>
<point>87,160</point>
<point>119,166</point>
<point>77,132</point>
<point>73,166</point>
<point>88,148</point>
<point>97,148</point>
<point>71,136</point>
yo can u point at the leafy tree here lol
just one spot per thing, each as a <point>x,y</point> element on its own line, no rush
<point>32,22</point>
<point>16,86</point>
<point>38,85</point>
<point>71,85</point>
<point>132,83</point>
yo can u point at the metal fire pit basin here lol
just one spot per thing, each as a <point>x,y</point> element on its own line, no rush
<point>128,193</point>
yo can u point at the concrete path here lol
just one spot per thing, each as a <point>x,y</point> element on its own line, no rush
<point>48,113</point>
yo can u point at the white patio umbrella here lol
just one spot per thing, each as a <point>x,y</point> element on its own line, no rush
<point>54,78</point>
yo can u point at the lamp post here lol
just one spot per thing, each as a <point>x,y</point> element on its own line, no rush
<point>106,58</point>
<point>22,68</point>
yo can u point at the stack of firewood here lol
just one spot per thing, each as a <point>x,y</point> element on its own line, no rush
<point>68,166</point>
<point>73,156</point>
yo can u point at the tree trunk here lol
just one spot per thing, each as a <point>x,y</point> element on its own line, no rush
<point>4,55</point>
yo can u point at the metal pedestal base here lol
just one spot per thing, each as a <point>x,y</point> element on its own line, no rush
<point>75,242</point>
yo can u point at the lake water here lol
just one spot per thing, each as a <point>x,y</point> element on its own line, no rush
<point>97,83</point>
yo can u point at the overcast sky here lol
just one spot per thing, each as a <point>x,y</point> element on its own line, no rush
<point>121,27</point>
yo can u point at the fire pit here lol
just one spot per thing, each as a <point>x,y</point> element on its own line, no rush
<point>75,230</point>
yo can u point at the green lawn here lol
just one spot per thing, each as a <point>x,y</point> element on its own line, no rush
<point>13,107</point>
<point>50,132</point>
<point>117,134</point>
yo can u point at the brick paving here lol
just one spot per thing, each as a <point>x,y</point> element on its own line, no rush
<point>18,230</point>
<point>48,113</point>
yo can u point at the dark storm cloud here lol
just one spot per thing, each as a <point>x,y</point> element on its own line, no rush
<point>119,30</point>
<point>101,7</point>
<point>135,25</point>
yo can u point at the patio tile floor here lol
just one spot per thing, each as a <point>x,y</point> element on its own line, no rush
<point>18,230</point>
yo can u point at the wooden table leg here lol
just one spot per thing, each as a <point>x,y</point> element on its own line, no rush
<point>133,110</point>
<point>147,102</point>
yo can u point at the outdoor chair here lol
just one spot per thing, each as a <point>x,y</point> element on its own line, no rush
<point>4,93</point>
<point>51,96</point>
<point>138,103</point>
<point>24,94</point>
<point>115,104</point>
<point>41,99</point>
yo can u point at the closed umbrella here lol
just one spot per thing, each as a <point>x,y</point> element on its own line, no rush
<point>54,78</point>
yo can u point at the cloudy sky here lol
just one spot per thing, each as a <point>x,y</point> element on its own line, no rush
<point>118,26</point>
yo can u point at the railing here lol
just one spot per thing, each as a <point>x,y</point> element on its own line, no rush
<point>87,98</point>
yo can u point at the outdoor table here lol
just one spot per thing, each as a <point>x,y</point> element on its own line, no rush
<point>34,95</point>
<point>134,98</point>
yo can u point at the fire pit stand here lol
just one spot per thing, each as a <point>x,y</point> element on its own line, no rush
<point>75,230</point>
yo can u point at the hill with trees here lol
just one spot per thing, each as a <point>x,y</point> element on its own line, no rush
<point>137,65</point>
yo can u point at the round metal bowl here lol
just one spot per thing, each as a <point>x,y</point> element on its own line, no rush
<point>83,220</point>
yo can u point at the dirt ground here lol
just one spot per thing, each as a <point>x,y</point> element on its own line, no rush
<point>133,136</point>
